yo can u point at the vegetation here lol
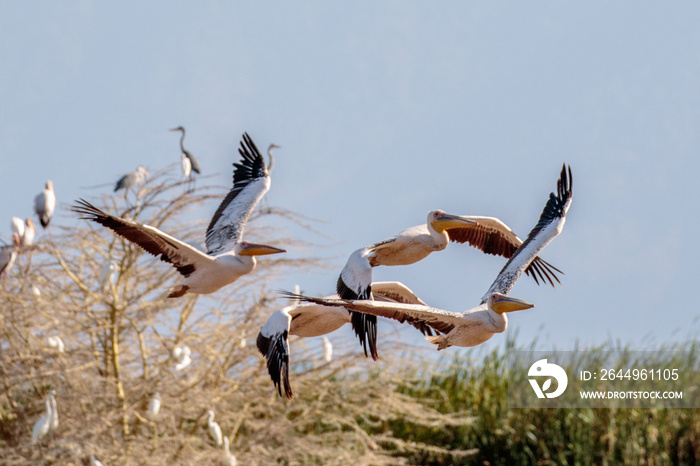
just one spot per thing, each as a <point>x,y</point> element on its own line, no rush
<point>119,341</point>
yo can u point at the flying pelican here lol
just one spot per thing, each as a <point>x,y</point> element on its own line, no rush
<point>8,254</point>
<point>214,429</point>
<point>131,179</point>
<point>230,459</point>
<point>189,162</point>
<point>227,257</point>
<point>45,204</point>
<point>477,325</point>
<point>327,349</point>
<point>488,234</point>
<point>182,353</point>
<point>43,425</point>
<point>153,406</point>
<point>312,320</point>
<point>56,343</point>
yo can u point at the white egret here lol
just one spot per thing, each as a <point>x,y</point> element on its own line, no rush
<point>45,204</point>
<point>477,325</point>
<point>227,257</point>
<point>230,459</point>
<point>43,425</point>
<point>154,406</point>
<point>56,343</point>
<point>214,429</point>
<point>181,354</point>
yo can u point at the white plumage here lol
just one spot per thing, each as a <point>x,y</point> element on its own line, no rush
<point>154,406</point>
<point>181,354</point>
<point>230,459</point>
<point>214,429</point>
<point>327,349</point>
<point>45,204</point>
<point>56,342</point>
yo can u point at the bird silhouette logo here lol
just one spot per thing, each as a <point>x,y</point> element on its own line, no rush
<point>542,368</point>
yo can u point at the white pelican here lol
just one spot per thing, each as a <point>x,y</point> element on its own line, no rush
<point>488,234</point>
<point>214,429</point>
<point>56,343</point>
<point>227,257</point>
<point>131,179</point>
<point>230,459</point>
<point>477,325</point>
<point>327,349</point>
<point>8,254</point>
<point>43,425</point>
<point>181,354</point>
<point>108,273</point>
<point>188,161</point>
<point>312,320</point>
<point>153,406</point>
<point>45,204</point>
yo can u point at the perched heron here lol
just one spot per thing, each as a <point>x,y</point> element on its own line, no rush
<point>228,257</point>
<point>188,161</point>
<point>131,179</point>
<point>230,459</point>
<point>214,429</point>
<point>108,273</point>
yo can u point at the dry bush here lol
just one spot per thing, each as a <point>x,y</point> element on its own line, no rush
<point>118,353</point>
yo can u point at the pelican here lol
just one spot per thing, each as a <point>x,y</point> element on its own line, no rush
<point>43,425</point>
<point>488,234</point>
<point>131,179</point>
<point>477,325</point>
<point>227,257</point>
<point>230,459</point>
<point>45,204</point>
<point>188,161</point>
<point>327,349</point>
<point>8,254</point>
<point>181,353</point>
<point>214,429</point>
<point>153,406</point>
<point>312,320</point>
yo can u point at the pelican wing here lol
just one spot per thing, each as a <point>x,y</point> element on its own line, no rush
<point>185,258</point>
<point>250,183</point>
<point>492,236</point>
<point>397,292</point>
<point>273,343</point>
<point>437,319</point>
<point>550,224</point>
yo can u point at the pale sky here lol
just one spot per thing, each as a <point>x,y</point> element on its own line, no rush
<point>385,111</point>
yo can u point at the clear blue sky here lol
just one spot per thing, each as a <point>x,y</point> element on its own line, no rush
<point>386,110</point>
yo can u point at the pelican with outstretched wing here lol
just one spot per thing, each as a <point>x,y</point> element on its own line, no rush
<point>477,325</point>
<point>312,320</point>
<point>228,257</point>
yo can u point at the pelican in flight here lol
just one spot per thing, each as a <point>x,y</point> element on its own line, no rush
<point>487,234</point>
<point>477,325</point>
<point>228,257</point>
<point>189,162</point>
<point>312,320</point>
<point>131,179</point>
<point>45,204</point>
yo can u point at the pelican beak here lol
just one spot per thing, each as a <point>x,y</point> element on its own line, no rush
<point>445,221</point>
<point>502,303</point>
<point>259,250</point>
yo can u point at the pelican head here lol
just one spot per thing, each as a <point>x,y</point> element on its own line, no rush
<point>500,303</point>
<point>441,221</point>
<point>251,249</point>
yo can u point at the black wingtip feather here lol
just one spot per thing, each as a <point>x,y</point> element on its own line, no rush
<point>364,325</point>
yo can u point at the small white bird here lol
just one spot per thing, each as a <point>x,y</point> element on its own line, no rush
<point>56,343</point>
<point>17,227</point>
<point>214,429</point>
<point>45,204</point>
<point>327,349</point>
<point>54,411</point>
<point>153,406</point>
<point>95,462</point>
<point>230,459</point>
<point>43,425</point>
<point>108,273</point>
<point>181,353</point>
